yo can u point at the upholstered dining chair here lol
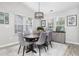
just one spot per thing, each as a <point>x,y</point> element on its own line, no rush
<point>22,42</point>
<point>49,38</point>
<point>41,42</point>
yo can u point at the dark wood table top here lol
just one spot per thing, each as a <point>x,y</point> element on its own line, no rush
<point>31,37</point>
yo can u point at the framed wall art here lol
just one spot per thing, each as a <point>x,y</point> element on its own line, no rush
<point>43,23</point>
<point>72,20</point>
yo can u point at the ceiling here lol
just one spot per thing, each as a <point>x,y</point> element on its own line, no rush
<point>55,6</point>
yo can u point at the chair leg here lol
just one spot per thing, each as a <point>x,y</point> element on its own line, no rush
<point>39,50</point>
<point>19,49</point>
<point>23,50</point>
<point>47,46</point>
<point>50,44</point>
<point>45,49</point>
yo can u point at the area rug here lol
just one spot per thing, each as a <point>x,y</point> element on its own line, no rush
<point>72,50</point>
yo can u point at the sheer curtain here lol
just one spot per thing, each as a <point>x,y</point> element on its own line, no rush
<point>18,23</point>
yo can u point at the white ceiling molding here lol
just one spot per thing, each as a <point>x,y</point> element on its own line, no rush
<point>55,6</point>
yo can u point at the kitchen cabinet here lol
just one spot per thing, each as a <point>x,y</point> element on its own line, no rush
<point>58,37</point>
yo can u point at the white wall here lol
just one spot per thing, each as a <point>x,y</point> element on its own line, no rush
<point>7,34</point>
<point>73,31</point>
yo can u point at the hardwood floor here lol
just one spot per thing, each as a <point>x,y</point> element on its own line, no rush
<point>57,50</point>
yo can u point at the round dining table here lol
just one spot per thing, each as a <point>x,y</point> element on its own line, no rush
<point>31,38</point>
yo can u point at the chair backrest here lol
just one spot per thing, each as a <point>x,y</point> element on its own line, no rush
<point>21,39</point>
<point>49,38</point>
<point>42,38</point>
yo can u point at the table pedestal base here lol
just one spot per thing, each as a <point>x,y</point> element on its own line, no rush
<point>31,48</point>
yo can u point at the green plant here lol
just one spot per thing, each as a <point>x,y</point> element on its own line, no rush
<point>40,28</point>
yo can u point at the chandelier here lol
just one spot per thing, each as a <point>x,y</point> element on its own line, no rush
<point>39,14</point>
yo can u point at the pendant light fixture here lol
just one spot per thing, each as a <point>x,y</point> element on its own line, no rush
<point>39,14</point>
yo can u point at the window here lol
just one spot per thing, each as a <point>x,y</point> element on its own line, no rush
<point>4,18</point>
<point>18,23</point>
<point>60,24</point>
<point>50,26</point>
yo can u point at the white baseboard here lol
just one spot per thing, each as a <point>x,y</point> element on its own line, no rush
<point>8,45</point>
<point>73,43</point>
<point>16,43</point>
